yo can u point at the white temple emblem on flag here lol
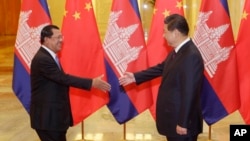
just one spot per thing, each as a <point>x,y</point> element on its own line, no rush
<point>116,44</point>
<point>28,38</point>
<point>207,41</point>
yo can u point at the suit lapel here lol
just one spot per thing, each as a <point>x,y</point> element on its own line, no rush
<point>170,63</point>
<point>48,54</point>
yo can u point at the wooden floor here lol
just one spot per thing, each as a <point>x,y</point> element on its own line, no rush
<point>100,126</point>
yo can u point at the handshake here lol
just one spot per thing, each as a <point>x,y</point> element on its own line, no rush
<point>124,80</point>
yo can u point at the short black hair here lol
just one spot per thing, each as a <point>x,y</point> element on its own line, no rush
<point>47,32</point>
<point>176,21</point>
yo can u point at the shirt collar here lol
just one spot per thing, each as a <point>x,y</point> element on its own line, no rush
<point>181,44</point>
<point>50,51</point>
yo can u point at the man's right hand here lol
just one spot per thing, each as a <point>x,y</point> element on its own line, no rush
<point>127,78</point>
<point>100,84</point>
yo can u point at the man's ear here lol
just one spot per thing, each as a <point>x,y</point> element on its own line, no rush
<point>176,32</point>
<point>46,39</point>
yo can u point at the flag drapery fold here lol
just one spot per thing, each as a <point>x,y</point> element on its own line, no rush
<point>82,55</point>
<point>125,50</point>
<point>243,55</point>
<point>214,38</point>
<point>26,46</point>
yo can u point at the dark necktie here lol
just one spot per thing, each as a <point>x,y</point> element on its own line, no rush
<point>173,55</point>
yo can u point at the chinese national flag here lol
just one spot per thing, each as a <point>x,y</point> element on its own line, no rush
<point>214,38</point>
<point>243,56</point>
<point>82,55</point>
<point>157,46</point>
<point>27,44</point>
<point>125,50</point>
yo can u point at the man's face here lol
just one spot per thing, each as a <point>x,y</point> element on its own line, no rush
<point>55,41</point>
<point>169,35</point>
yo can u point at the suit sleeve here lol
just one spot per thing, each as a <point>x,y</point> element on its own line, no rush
<point>49,70</point>
<point>149,73</point>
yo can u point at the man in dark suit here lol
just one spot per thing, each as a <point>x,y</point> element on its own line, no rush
<point>50,111</point>
<point>178,107</point>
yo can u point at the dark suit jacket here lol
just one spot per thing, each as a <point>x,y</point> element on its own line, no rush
<point>178,100</point>
<point>50,105</point>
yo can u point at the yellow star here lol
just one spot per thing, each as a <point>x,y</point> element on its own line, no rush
<point>88,6</point>
<point>76,15</point>
<point>179,4</point>
<point>166,13</point>
<point>244,15</point>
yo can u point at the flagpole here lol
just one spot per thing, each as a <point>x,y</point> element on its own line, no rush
<point>209,133</point>
<point>82,132</point>
<point>82,127</point>
<point>124,132</point>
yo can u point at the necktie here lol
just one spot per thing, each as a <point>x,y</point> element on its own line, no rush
<point>173,55</point>
<point>57,62</point>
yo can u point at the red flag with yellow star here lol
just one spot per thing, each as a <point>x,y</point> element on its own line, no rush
<point>243,55</point>
<point>157,46</point>
<point>82,55</point>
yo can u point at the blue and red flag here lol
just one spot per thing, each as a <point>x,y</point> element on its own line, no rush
<point>243,56</point>
<point>157,47</point>
<point>214,38</point>
<point>125,50</point>
<point>82,55</point>
<point>34,15</point>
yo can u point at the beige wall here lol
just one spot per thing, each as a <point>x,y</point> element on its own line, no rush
<point>9,14</point>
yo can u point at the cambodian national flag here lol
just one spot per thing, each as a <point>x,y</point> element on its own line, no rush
<point>125,50</point>
<point>214,38</point>
<point>34,15</point>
